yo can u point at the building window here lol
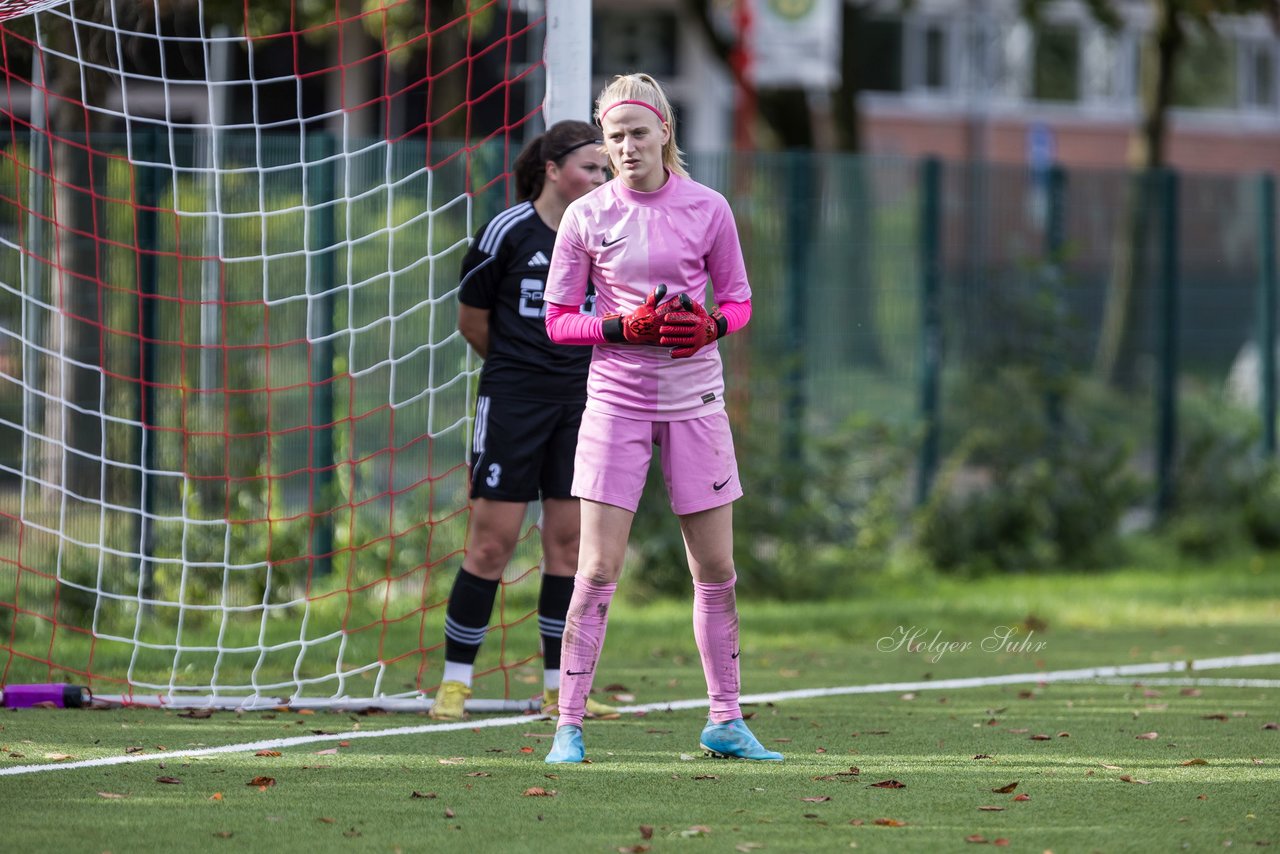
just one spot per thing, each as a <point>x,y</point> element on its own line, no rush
<point>878,57</point>
<point>624,41</point>
<point>1056,68</point>
<point>1205,77</point>
<point>935,57</point>
<point>1258,76</point>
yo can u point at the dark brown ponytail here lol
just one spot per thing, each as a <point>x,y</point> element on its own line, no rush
<point>558,142</point>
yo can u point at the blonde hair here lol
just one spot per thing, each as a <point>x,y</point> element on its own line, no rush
<point>643,88</point>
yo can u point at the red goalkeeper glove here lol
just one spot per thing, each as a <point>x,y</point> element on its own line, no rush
<point>640,326</point>
<point>691,328</point>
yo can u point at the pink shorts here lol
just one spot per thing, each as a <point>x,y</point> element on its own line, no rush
<point>698,463</point>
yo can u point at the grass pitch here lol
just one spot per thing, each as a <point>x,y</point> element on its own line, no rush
<point>1145,765</point>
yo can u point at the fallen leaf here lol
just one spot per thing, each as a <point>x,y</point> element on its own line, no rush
<point>887,784</point>
<point>821,799</point>
<point>1007,788</point>
<point>197,714</point>
<point>1193,762</point>
<point>1130,779</point>
<point>262,781</point>
<point>169,780</point>
<point>539,792</point>
<point>1064,735</point>
<point>1041,737</point>
<point>271,753</point>
<point>58,757</point>
<point>1001,841</point>
<point>111,796</point>
<point>216,796</point>
<point>1217,717</point>
<point>223,834</point>
<point>526,750</point>
<point>633,849</point>
<point>744,847</point>
<point>983,756</point>
<point>1022,797</point>
<point>129,751</point>
<point>1271,725</point>
<point>417,794</point>
<point>706,777</point>
<point>991,809</point>
<point>324,819</point>
<point>976,838</point>
<point>449,813</point>
<point>1110,767</point>
<point>890,822</point>
<point>454,760</point>
<point>646,831</point>
<point>1148,736</point>
<point>351,833</point>
<point>477,774</point>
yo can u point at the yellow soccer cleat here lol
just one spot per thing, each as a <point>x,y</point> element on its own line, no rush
<point>551,705</point>
<point>450,704</point>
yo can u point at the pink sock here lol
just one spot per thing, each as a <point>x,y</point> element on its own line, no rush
<point>584,627</point>
<point>715,628</point>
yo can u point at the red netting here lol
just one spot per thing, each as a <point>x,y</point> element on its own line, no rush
<point>234,409</point>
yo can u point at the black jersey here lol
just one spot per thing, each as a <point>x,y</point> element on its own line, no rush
<point>505,271</point>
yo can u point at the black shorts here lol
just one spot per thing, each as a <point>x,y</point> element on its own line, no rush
<point>523,450</point>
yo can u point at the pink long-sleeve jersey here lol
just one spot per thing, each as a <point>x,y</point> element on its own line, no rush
<point>627,242</point>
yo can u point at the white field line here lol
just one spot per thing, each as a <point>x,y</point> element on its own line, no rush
<point>1084,674</point>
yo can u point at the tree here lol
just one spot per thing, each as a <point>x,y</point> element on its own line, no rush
<point>1162,52</point>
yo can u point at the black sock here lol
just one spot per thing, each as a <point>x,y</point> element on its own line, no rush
<point>466,617</point>
<point>553,605</point>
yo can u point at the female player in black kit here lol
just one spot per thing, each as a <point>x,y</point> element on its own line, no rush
<point>529,406</point>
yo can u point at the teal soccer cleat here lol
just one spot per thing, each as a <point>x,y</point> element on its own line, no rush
<point>567,747</point>
<point>731,740</point>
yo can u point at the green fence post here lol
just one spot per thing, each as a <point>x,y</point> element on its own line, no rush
<point>1167,380</point>
<point>319,169</point>
<point>930,321</point>
<point>799,202</point>
<point>1267,311</point>
<point>1055,230</point>
<point>148,237</point>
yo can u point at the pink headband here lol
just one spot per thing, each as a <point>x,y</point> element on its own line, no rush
<point>644,104</point>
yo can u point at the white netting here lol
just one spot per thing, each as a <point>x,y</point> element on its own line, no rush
<point>233,403</point>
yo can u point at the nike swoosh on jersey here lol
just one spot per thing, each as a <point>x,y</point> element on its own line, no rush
<point>719,486</point>
<point>604,244</point>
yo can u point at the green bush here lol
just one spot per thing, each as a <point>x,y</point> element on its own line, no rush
<point>1225,494</point>
<point>1027,489</point>
<point>803,529</point>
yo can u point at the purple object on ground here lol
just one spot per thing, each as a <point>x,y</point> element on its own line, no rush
<point>57,693</point>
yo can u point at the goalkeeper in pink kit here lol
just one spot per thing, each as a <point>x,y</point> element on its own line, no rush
<point>650,241</point>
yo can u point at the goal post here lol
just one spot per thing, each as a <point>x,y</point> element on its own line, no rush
<point>234,405</point>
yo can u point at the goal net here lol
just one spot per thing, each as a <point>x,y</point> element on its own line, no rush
<point>234,407</point>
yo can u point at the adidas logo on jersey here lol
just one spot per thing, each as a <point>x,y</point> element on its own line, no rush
<point>539,259</point>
